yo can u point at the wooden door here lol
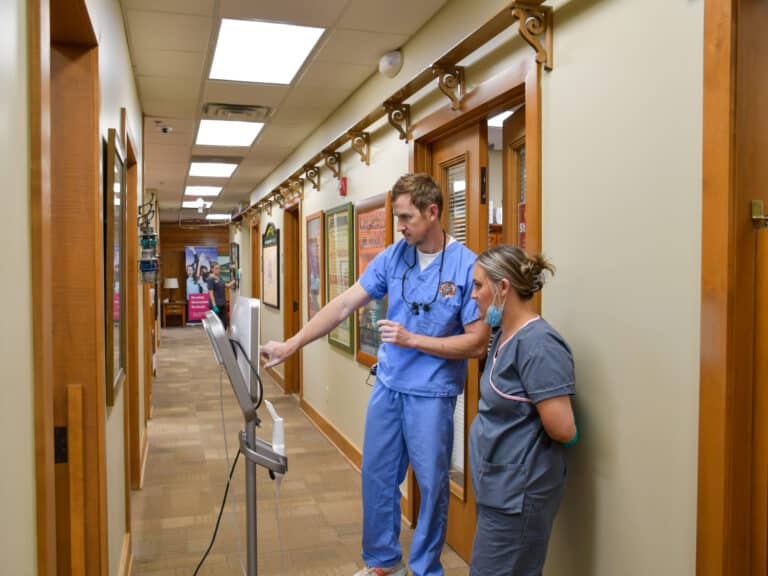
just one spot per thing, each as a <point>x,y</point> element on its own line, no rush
<point>760,411</point>
<point>459,164</point>
<point>514,179</point>
<point>292,295</point>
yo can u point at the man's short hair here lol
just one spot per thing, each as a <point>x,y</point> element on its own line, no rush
<point>422,189</point>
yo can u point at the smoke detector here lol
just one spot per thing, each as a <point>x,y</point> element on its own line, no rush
<point>239,112</point>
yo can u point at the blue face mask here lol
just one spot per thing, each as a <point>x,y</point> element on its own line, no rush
<point>493,315</point>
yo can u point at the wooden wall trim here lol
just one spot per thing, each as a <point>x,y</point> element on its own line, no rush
<point>143,465</point>
<point>76,470</point>
<point>714,482</point>
<point>126,556</point>
<point>274,374</point>
<point>334,436</point>
<point>39,47</point>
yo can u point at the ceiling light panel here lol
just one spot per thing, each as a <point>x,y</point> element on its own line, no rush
<point>227,133</point>
<point>212,169</point>
<point>217,217</point>
<point>196,204</point>
<point>263,52</point>
<point>202,191</point>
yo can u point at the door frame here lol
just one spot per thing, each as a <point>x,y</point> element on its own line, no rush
<point>521,83</point>
<point>730,92</point>
<point>292,218</point>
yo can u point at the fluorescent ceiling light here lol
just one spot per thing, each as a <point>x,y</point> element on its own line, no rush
<point>212,169</point>
<point>265,52</point>
<point>196,203</point>
<point>202,191</point>
<point>227,133</point>
<point>498,120</point>
<point>217,217</point>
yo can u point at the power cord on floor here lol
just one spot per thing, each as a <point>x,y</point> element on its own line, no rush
<point>218,519</point>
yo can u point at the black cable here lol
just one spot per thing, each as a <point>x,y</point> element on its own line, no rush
<point>253,369</point>
<point>414,306</point>
<point>221,511</point>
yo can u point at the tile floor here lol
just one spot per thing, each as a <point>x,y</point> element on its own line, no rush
<point>174,514</point>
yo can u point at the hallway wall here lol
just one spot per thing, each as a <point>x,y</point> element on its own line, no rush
<point>622,124</point>
<point>18,535</point>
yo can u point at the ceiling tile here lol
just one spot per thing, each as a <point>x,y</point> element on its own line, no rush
<point>169,63</point>
<point>199,7</point>
<point>170,108</point>
<point>284,135</point>
<point>358,47</point>
<point>346,76</point>
<point>393,16</point>
<point>167,31</point>
<point>302,12</point>
<point>243,93</point>
<point>312,116</point>
<point>164,88</point>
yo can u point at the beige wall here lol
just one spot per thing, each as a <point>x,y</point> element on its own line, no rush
<point>17,437</point>
<point>117,89</point>
<point>621,221</point>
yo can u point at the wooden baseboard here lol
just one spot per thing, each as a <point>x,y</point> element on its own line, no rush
<point>274,374</point>
<point>144,453</point>
<point>126,558</point>
<point>335,437</point>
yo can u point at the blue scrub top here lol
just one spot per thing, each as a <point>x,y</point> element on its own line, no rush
<point>409,370</point>
<point>511,454</point>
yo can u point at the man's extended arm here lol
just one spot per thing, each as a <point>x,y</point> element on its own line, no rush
<point>472,344</point>
<point>330,316</point>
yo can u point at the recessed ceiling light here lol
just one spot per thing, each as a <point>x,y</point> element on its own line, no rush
<point>196,203</point>
<point>202,190</point>
<point>227,133</point>
<point>498,120</point>
<point>266,52</point>
<point>212,169</point>
<point>217,217</point>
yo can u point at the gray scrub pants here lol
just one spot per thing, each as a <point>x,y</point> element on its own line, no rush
<point>514,544</point>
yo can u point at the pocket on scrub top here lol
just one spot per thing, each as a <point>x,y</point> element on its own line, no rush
<point>441,320</point>
<point>501,486</point>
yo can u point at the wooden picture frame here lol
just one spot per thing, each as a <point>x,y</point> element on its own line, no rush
<point>270,266</point>
<point>234,262</point>
<point>114,263</point>
<point>315,245</point>
<point>339,268</point>
<point>373,233</point>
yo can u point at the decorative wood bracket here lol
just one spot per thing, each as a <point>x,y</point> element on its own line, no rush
<point>280,197</point>
<point>535,20</point>
<point>399,116</point>
<point>269,207</point>
<point>333,163</point>
<point>361,143</point>
<point>296,188</point>
<point>312,173</point>
<point>450,80</point>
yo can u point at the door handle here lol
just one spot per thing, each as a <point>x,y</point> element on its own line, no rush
<point>295,306</point>
<point>759,219</point>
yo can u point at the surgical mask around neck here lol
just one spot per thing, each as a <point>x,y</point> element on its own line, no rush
<point>494,313</point>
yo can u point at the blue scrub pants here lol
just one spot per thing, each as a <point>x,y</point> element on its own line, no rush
<point>402,428</point>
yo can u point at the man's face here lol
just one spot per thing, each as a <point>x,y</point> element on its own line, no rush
<point>412,224</point>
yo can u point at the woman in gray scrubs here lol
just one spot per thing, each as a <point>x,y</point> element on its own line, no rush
<point>524,421</point>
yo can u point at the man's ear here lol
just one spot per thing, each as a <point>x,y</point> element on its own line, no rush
<point>433,212</point>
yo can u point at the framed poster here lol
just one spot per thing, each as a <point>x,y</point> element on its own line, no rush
<point>270,266</point>
<point>338,267</point>
<point>114,263</point>
<point>373,233</point>
<point>315,264</point>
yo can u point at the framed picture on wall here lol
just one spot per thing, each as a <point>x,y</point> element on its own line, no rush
<point>270,266</point>
<point>114,263</point>
<point>315,264</point>
<point>373,233</point>
<point>338,267</point>
<point>234,260</point>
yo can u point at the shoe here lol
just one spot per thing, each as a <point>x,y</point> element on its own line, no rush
<point>396,570</point>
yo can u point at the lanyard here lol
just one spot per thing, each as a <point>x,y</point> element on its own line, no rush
<point>493,365</point>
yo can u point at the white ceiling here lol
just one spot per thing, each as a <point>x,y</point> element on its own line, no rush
<point>171,45</point>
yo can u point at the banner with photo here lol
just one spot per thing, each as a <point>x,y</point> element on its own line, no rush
<point>198,260</point>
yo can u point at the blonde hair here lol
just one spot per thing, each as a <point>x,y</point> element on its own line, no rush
<point>526,274</point>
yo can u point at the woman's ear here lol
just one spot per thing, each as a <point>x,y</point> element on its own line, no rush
<point>503,288</point>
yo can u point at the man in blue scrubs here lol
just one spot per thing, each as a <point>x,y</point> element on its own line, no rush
<point>431,328</point>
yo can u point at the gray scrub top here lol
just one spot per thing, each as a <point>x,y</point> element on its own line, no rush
<point>510,453</point>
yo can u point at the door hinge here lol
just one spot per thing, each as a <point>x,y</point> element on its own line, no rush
<point>759,219</point>
<point>60,449</point>
<point>483,185</point>
<point>295,306</point>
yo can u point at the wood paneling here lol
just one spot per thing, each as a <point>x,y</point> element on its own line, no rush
<point>76,451</point>
<point>173,240</point>
<point>39,46</point>
<point>78,284</point>
<point>292,294</point>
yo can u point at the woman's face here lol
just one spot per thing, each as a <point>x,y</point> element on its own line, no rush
<point>190,271</point>
<point>483,289</point>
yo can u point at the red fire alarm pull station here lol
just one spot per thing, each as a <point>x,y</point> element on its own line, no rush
<point>343,186</point>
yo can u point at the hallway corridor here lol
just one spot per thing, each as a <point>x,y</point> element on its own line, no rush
<point>175,512</point>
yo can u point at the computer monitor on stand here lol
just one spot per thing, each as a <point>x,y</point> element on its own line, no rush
<point>257,452</point>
